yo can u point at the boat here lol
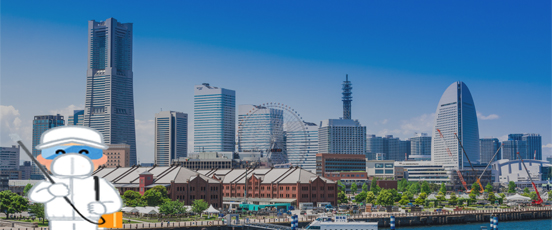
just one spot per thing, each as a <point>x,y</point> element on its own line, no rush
<point>340,223</point>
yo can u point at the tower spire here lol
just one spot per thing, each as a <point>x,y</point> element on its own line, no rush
<point>347,98</point>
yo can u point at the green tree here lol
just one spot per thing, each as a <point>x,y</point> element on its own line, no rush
<point>172,207</point>
<point>133,199</point>
<point>421,199</point>
<point>370,198</point>
<point>443,188</point>
<point>340,186</point>
<point>354,188</point>
<point>385,198</point>
<point>473,198</point>
<point>409,195</point>
<point>396,195</point>
<point>511,187</point>
<point>526,190</point>
<point>342,198</point>
<point>491,197</point>
<point>433,187</point>
<point>533,196</point>
<point>549,195</point>
<point>198,206</point>
<point>425,187</point>
<point>374,185</point>
<point>26,189</point>
<point>488,188</point>
<point>12,203</point>
<point>441,197</point>
<point>361,197</point>
<point>402,184</point>
<point>453,200</point>
<point>365,187</point>
<point>156,196</point>
<point>475,188</point>
<point>404,200</point>
<point>414,188</point>
<point>38,210</point>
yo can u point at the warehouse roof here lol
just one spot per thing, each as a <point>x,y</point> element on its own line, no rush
<point>268,176</point>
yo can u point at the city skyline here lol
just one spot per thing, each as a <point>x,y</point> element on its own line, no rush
<point>512,92</point>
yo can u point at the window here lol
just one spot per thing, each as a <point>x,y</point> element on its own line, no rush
<point>287,195</point>
<point>321,195</point>
<point>331,188</point>
<point>322,188</point>
<point>330,195</point>
<point>389,165</point>
<point>389,171</point>
<point>379,165</point>
<point>287,188</point>
<point>379,171</point>
<point>305,188</point>
<point>281,195</point>
<point>313,196</point>
<point>305,196</point>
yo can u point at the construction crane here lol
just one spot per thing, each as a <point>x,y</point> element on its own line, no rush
<point>450,154</point>
<point>535,202</point>
<point>481,190</point>
<point>484,170</point>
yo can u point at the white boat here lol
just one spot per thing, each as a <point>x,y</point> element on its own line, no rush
<point>341,223</point>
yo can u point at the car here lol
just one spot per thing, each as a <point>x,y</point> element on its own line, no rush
<point>343,207</point>
<point>303,213</point>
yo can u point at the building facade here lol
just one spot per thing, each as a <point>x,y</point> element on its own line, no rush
<point>489,146</point>
<point>455,114</point>
<point>513,170</point>
<point>26,170</point>
<point>41,124</point>
<point>380,169</point>
<point>118,155</point>
<point>171,137</point>
<point>302,152</point>
<point>9,158</point>
<point>109,104</point>
<point>292,185</point>
<point>332,163</point>
<point>261,129</point>
<point>340,136</point>
<point>214,119</point>
<point>533,142</point>
<point>374,146</point>
<point>420,146</point>
<point>510,148</point>
<point>76,119</point>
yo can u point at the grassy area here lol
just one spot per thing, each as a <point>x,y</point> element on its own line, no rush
<point>40,224</point>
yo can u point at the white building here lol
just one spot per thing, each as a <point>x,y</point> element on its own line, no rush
<point>455,115</point>
<point>171,137</point>
<point>512,170</point>
<point>9,158</point>
<point>341,136</point>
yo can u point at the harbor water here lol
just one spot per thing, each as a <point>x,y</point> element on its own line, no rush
<point>524,225</point>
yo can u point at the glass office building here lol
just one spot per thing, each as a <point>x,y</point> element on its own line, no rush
<point>489,146</point>
<point>261,129</point>
<point>455,114</point>
<point>76,119</point>
<point>171,137</point>
<point>109,104</point>
<point>300,151</point>
<point>214,119</point>
<point>41,124</point>
<point>420,147</point>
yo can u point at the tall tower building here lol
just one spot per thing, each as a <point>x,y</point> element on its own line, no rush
<point>534,145</point>
<point>404,150</point>
<point>214,119</point>
<point>455,114</point>
<point>374,146</point>
<point>347,97</point>
<point>488,147</point>
<point>41,124</point>
<point>300,153</point>
<point>420,147</point>
<point>109,105</point>
<point>9,158</point>
<point>171,137</point>
<point>529,146</point>
<point>340,136</point>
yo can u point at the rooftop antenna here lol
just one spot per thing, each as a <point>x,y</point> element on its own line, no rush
<point>347,88</point>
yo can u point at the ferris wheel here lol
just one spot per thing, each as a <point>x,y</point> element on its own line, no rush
<point>275,130</point>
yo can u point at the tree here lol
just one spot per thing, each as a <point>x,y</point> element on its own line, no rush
<point>402,184</point>
<point>475,188</point>
<point>12,203</point>
<point>361,197</point>
<point>414,188</point>
<point>409,195</point>
<point>421,199</point>
<point>172,207</point>
<point>26,189</point>
<point>511,187</point>
<point>549,195</point>
<point>385,198</point>
<point>340,186</point>
<point>433,187</point>
<point>488,188</point>
<point>491,198</point>
<point>396,195</point>
<point>404,200</point>
<point>342,198</point>
<point>365,188</point>
<point>133,199</point>
<point>374,185</point>
<point>156,196</point>
<point>354,188</point>
<point>533,196</point>
<point>370,198</point>
<point>443,188</point>
<point>461,201</point>
<point>198,206</point>
<point>441,197</point>
<point>425,187</point>
<point>473,198</point>
<point>453,199</point>
<point>526,190</point>
<point>38,210</point>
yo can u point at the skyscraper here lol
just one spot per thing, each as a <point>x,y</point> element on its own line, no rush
<point>171,137</point>
<point>9,158</point>
<point>404,150</point>
<point>534,145</point>
<point>77,118</point>
<point>511,147</point>
<point>300,151</point>
<point>214,119</point>
<point>40,125</point>
<point>347,97</point>
<point>340,136</point>
<point>489,146</point>
<point>529,146</point>
<point>391,148</point>
<point>374,145</point>
<point>455,115</point>
<point>109,105</point>
<point>262,131</point>
<point>420,147</point>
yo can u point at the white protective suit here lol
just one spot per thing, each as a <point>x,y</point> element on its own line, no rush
<point>72,174</point>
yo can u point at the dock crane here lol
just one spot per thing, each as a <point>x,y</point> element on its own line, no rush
<point>484,170</point>
<point>534,202</point>
<point>481,190</point>
<point>450,154</point>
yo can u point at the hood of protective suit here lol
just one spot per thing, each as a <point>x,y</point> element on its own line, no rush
<point>72,165</point>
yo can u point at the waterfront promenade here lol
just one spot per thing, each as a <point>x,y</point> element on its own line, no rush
<point>402,219</point>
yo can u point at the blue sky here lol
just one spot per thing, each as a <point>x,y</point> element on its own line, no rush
<point>400,56</point>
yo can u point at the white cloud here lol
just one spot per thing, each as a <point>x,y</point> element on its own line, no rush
<point>503,138</point>
<point>490,117</point>
<point>67,111</point>
<point>549,145</point>
<point>388,132</point>
<point>145,140</point>
<point>381,122</point>
<point>423,123</point>
<point>546,151</point>
<point>11,123</point>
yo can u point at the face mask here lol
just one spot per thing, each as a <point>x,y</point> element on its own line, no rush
<point>53,152</point>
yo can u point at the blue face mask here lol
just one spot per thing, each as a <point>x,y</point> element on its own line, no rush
<point>53,152</point>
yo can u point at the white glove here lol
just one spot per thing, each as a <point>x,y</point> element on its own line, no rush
<point>58,190</point>
<point>96,208</point>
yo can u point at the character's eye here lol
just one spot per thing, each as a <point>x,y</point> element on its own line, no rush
<point>83,151</point>
<point>60,151</point>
